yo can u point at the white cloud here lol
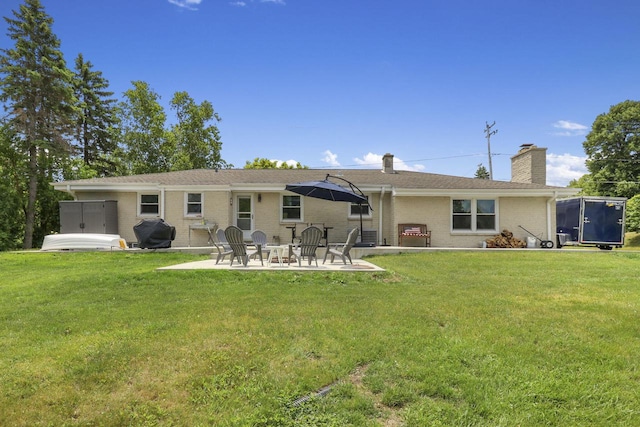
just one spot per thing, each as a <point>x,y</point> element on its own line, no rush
<point>568,128</point>
<point>372,160</point>
<point>245,3</point>
<point>562,168</point>
<point>330,158</point>
<point>186,4</point>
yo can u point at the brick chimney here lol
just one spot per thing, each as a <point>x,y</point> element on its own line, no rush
<point>387,163</point>
<point>529,165</point>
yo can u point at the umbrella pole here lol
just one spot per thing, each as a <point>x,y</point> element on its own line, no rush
<point>361,230</point>
<point>361,243</point>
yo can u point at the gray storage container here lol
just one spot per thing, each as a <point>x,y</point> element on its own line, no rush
<point>89,216</point>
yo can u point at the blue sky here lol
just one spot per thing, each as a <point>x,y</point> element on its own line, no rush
<point>340,83</point>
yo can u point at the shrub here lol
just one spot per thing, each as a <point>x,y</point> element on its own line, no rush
<point>633,214</point>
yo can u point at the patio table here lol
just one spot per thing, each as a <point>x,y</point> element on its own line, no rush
<point>277,252</point>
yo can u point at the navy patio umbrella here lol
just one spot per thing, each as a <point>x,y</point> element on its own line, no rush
<point>328,190</point>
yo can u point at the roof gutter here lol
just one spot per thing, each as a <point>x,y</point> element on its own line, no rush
<point>61,186</point>
<point>67,189</point>
<point>475,192</point>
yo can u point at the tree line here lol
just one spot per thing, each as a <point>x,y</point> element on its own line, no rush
<point>62,123</point>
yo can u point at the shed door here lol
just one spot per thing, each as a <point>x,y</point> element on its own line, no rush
<point>71,217</point>
<point>93,217</point>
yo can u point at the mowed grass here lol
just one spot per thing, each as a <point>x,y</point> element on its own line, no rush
<point>631,241</point>
<point>482,338</point>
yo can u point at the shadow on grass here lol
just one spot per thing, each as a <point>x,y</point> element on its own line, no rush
<point>632,240</point>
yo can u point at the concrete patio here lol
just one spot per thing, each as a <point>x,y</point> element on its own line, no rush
<point>357,253</point>
<point>254,265</point>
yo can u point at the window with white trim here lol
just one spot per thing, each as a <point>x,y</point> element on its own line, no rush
<point>291,208</point>
<point>149,205</point>
<point>193,204</point>
<point>355,209</point>
<point>473,215</point>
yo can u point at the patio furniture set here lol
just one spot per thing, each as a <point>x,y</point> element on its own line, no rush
<point>230,242</point>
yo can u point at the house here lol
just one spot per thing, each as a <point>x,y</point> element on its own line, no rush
<point>460,212</point>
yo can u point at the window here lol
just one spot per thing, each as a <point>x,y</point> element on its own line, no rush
<point>149,204</point>
<point>473,215</point>
<point>193,204</point>
<point>355,209</point>
<point>291,208</point>
<point>485,214</point>
<point>462,214</point>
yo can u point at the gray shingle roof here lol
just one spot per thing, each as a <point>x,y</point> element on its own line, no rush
<point>360,177</point>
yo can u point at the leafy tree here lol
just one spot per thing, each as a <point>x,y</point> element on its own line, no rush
<point>586,184</point>
<point>36,87</point>
<point>482,172</point>
<point>146,147</point>
<point>613,151</point>
<point>192,143</point>
<point>12,186</point>
<point>632,222</point>
<point>263,163</point>
<point>196,141</point>
<point>96,118</point>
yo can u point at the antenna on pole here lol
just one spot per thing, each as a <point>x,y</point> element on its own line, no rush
<point>489,132</point>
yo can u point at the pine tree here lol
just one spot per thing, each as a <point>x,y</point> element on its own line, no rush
<point>96,118</point>
<point>36,87</point>
<point>482,172</point>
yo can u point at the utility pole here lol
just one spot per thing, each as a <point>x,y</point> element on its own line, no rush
<point>489,132</point>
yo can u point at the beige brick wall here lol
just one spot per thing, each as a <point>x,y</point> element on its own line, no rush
<point>436,213</point>
<point>388,225</point>
<point>215,209</point>
<point>433,211</point>
<point>527,212</point>
<point>174,215</point>
<point>127,215</point>
<point>267,218</point>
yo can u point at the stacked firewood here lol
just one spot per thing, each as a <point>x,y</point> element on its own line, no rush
<point>505,240</point>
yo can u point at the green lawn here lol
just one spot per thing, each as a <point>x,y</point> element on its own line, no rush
<point>632,241</point>
<point>441,339</point>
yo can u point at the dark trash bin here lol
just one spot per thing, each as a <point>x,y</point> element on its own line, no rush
<point>154,234</point>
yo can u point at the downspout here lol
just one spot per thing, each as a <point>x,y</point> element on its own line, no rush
<point>162,203</point>
<point>70,191</point>
<point>380,241</point>
<point>550,233</point>
<point>230,218</point>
